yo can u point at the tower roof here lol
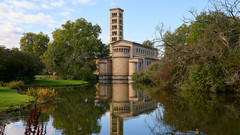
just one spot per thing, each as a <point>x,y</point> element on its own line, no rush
<point>116,9</point>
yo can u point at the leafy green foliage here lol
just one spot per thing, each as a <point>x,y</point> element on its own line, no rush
<point>141,77</point>
<point>34,43</point>
<point>42,94</point>
<point>148,43</point>
<point>16,65</point>
<point>203,55</point>
<point>15,85</point>
<point>74,49</point>
<point>2,84</point>
<point>186,111</point>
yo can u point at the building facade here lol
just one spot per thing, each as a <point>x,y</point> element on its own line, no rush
<point>125,102</point>
<point>126,57</point>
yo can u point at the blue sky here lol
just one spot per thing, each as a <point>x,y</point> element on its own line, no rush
<point>140,16</point>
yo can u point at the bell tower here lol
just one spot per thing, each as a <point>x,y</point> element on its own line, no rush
<point>116,24</point>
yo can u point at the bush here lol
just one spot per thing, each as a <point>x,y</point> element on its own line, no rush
<point>141,77</point>
<point>42,94</point>
<point>15,85</point>
<point>46,94</point>
<point>32,92</point>
<point>16,65</point>
<point>2,84</point>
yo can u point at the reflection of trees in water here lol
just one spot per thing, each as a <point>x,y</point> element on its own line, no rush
<point>33,126</point>
<point>2,128</point>
<point>80,112</point>
<point>186,111</point>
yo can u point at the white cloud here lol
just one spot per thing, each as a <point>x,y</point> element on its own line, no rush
<point>8,14</point>
<point>85,2</point>
<point>16,15</point>
<point>12,16</point>
<point>10,35</point>
<point>65,14</point>
<point>57,3</point>
<point>23,4</point>
<point>46,6</point>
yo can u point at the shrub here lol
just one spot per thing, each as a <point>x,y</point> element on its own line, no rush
<point>46,94</point>
<point>43,94</point>
<point>2,84</point>
<point>141,77</point>
<point>17,65</point>
<point>32,92</point>
<point>15,85</point>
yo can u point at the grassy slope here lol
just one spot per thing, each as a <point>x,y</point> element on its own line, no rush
<point>48,80</point>
<point>10,98</point>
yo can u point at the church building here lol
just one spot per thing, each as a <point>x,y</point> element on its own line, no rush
<point>126,57</point>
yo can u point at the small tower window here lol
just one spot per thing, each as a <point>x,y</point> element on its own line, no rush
<point>120,15</point>
<point>120,21</point>
<point>114,33</point>
<point>120,33</point>
<point>114,27</point>
<point>114,39</point>
<point>114,20</point>
<point>121,28</point>
<point>114,14</point>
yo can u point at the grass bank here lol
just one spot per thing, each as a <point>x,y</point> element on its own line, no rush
<point>10,99</point>
<point>46,80</point>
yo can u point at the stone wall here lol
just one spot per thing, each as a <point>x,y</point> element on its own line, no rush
<point>120,66</point>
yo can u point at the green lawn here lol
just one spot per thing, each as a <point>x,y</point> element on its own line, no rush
<point>49,80</point>
<point>10,98</point>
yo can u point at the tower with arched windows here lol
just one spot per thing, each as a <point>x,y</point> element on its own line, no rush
<point>126,57</point>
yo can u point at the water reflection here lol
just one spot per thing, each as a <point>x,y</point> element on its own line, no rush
<point>123,108</point>
<point>79,112</point>
<point>124,102</point>
<point>184,112</point>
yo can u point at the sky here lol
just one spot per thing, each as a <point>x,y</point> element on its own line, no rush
<point>140,16</point>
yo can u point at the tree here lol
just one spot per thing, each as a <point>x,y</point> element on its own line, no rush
<point>202,53</point>
<point>34,43</point>
<point>15,49</point>
<point>74,49</point>
<point>17,65</point>
<point>148,43</point>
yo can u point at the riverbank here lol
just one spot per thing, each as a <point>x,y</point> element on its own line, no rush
<point>46,80</point>
<point>10,99</point>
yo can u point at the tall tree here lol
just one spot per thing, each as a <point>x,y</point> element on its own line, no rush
<point>74,49</point>
<point>34,43</point>
<point>148,43</point>
<point>202,54</point>
<point>17,65</point>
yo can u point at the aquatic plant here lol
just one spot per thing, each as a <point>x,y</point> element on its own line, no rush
<point>2,128</point>
<point>43,94</point>
<point>33,127</point>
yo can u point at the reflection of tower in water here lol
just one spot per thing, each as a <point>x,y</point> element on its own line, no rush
<point>125,102</point>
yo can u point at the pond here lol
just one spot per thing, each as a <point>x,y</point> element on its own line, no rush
<point>128,109</point>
